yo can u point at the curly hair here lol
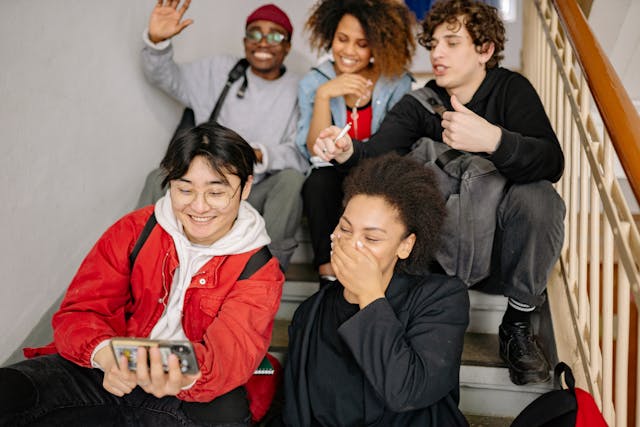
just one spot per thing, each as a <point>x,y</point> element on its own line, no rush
<point>387,24</point>
<point>481,21</point>
<point>413,191</point>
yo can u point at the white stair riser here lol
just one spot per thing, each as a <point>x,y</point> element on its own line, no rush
<point>489,391</point>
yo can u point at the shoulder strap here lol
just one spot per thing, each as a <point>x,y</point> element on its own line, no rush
<point>447,157</point>
<point>236,72</point>
<point>429,100</point>
<point>151,222</point>
<point>255,263</point>
<point>432,102</point>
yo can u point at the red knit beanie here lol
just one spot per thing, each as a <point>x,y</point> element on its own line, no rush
<point>272,13</point>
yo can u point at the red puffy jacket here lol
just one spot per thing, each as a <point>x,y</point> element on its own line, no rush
<point>228,321</point>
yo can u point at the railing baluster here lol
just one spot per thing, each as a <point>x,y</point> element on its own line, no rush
<point>594,287</point>
<point>583,257</point>
<point>607,291</point>
<point>622,348</point>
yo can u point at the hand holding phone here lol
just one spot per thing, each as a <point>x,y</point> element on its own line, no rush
<point>128,347</point>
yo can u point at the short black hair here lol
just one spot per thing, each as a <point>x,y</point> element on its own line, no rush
<point>411,189</point>
<point>226,151</point>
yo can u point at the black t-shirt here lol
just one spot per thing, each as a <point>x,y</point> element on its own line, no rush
<point>335,379</point>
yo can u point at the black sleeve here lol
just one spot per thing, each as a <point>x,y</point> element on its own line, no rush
<point>404,124</point>
<point>414,366</point>
<point>529,149</point>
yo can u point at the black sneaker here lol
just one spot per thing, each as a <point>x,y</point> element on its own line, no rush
<point>521,353</point>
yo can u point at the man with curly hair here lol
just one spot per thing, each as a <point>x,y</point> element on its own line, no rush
<point>497,114</point>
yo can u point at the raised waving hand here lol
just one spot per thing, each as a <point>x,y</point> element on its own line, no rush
<point>166,20</point>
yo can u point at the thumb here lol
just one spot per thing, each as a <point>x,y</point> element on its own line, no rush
<point>457,105</point>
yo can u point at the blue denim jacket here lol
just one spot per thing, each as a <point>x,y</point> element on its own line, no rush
<point>385,94</point>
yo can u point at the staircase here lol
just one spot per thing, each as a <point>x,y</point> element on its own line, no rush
<point>488,397</point>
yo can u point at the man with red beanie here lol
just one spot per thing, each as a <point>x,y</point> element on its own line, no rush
<point>261,106</point>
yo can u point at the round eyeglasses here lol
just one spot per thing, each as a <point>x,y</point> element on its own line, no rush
<point>273,38</point>
<point>217,199</point>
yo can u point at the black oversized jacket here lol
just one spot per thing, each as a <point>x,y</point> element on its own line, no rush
<point>408,345</point>
<point>528,150</point>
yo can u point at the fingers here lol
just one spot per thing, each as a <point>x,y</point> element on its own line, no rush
<point>142,370</point>
<point>156,368</point>
<point>184,7</point>
<point>324,145</point>
<point>351,84</point>
<point>184,24</point>
<point>119,380</point>
<point>175,374</point>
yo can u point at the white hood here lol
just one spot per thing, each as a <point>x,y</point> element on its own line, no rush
<point>248,232</point>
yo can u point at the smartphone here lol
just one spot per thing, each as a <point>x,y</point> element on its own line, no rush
<point>128,347</point>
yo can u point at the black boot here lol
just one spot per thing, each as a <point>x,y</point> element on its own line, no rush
<point>521,353</point>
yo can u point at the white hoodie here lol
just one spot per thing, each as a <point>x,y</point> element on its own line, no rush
<point>248,232</point>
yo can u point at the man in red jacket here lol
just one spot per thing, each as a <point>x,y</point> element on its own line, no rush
<point>189,281</point>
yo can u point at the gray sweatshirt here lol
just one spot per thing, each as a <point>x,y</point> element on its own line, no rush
<point>266,116</point>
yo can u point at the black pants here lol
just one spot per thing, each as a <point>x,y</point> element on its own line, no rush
<point>322,200</point>
<point>527,243</point>
<point>51,391</point>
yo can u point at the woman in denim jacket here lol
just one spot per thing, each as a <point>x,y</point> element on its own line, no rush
<point>372,45</point>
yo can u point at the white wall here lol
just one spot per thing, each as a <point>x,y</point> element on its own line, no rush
<point>615,25</point>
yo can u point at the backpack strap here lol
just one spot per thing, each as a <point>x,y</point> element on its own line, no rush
<point>151,222</point>
<point>238,70</point>
<point>255,263</point>
<point>429,100</point>
<point>561,368</point>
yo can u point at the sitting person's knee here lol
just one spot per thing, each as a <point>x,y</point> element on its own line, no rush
<point>291,179</point>
<point>17,393</point>
<point>537,201</point>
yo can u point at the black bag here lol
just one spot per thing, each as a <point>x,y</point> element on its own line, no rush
<point>473,189</point>
<point>188,121</point>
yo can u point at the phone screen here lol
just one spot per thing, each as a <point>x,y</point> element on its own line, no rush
<point>184,351</point>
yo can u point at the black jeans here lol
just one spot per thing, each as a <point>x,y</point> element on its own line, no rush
<point>527,243</point>
<point>322,200</point>
<point>52,391</point>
